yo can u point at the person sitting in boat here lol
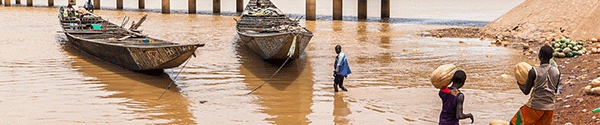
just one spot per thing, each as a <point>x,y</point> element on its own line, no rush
<point>452,101</point>
<point>63,12</point>
<point>71,10</point>
<point>258,5</point>
<point>71,4</point>
<point>89,6</point>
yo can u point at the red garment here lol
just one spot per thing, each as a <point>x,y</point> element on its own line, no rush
<point>448,114</point>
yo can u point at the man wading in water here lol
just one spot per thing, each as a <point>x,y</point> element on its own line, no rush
<point>544,81</point>
<point>341,69</point>
<point>452,101</point>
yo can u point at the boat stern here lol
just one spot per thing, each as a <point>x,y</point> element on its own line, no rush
<point>162,57</point>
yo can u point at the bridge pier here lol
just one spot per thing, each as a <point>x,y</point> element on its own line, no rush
<point>141,4</point>
<point>216,6</point>
<point>96,4</point>
<point>385,9</point>
<point>310,12</point>
<point>337,10</point>
<point>362,9</point>
<point>192,6</point>
<point>119,4</point>
<point>311,9</point>
<point>239,6</point>
<point>166,7</point>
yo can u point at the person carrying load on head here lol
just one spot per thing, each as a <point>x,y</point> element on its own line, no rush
<point>63,12</point>
<point>341,69</point>
<point>452,101</point>
<point>72,9</point>
<point>542,82</point>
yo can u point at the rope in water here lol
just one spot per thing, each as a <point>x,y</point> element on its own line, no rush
<point>169,86</point>
<point>269,77</point>
<point>290,54</point>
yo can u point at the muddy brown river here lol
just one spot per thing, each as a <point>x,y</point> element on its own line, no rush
<point>44,80</point>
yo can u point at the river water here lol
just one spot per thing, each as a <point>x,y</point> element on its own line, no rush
<point>45,80</point>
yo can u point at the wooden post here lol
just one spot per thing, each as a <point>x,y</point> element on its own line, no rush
<point>216,6</point>
<point>6,2</point>
<point>73,1</point>
<point>239,6</point>
<point>17,2</point>
<point>96,4</point>
<point>50,3</point>
<point>385,9</point>
<point>337,9</point>
<point>362,9</point>
<point>119,4</point>
<point>141,4</point>
<point>192,6</point>
<point>29,2</point>
<point>311,9</point>
<point>166,9</point>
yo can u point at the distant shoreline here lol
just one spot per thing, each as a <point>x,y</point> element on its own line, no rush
<point>394,20</point>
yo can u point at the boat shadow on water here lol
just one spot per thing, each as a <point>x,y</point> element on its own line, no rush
<point>256,67</point>
<point>288,96</point>
<point>139,89</point>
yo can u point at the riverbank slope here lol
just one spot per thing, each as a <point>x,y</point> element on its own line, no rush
<point>547,19</point>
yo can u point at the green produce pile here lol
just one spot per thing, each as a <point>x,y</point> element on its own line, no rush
<point>567,48</point>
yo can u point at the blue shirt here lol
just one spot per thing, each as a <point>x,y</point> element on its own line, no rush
<point>341,66</point>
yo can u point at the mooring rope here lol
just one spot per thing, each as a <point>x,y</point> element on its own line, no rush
<point>173,81</point>
<point>290,54</point>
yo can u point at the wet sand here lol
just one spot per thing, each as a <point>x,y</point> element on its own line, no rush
<point>44,80</point>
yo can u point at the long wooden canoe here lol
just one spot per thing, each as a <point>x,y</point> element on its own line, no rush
<point>269,33</point>
<point>124,47</point>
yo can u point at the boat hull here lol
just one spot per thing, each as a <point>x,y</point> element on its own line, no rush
<point>276,46</point>
<point>135,57</point>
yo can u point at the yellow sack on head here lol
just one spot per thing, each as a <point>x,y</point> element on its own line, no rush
<point>499,122</point>
<point>522,72</point>
<point>442,76</point>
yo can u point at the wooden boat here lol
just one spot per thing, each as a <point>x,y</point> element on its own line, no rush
<point>124,47</point>
<point>269,33</point>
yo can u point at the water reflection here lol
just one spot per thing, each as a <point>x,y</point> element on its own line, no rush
<point>287,97</point>
<point>139,91</point>
<point>340,109</point>
<point>43,86</point>
<point>310,25</point>
<point>384,42</point>
<point>337,26</point>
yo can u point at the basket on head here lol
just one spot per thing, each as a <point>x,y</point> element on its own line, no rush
<point>522,72</point>
<point>442,76</point>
